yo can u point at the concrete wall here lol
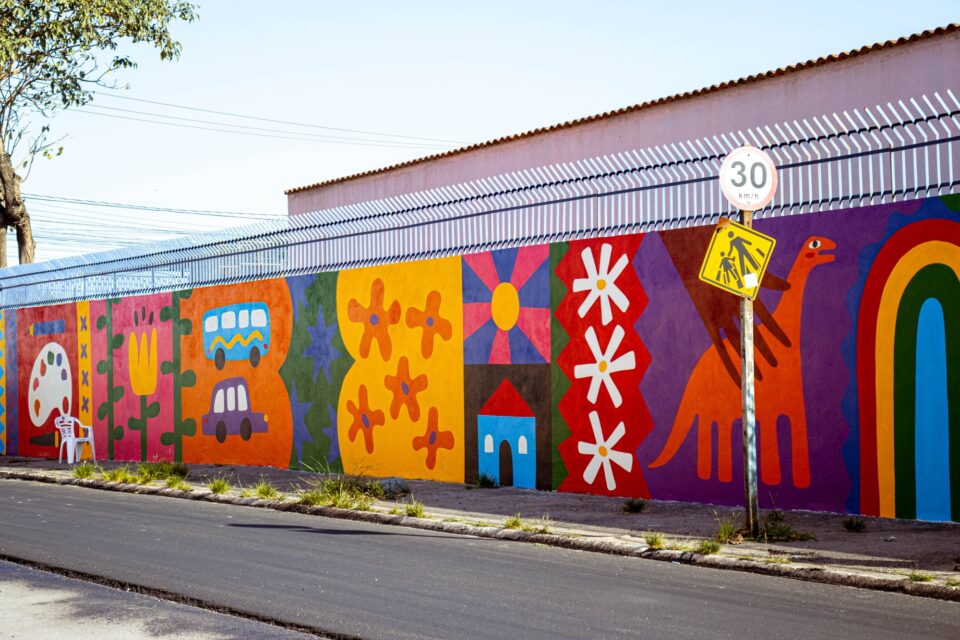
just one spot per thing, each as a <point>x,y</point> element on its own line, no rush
<point>865,80</point>
<point>619,388</point>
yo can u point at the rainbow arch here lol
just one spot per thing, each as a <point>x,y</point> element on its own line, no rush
<point>908,375</point>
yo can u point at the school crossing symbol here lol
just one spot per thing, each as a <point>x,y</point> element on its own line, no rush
<point>737,258</point>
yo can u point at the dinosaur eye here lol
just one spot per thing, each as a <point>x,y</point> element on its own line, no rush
<point>814,244</point>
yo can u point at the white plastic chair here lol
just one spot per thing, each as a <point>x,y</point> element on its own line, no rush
<point>70,439</point>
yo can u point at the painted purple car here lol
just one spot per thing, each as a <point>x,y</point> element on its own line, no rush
<point>230,412</point>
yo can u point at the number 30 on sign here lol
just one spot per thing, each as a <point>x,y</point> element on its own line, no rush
<point>748,178</point>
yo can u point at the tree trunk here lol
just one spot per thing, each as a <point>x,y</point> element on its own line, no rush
<point>14,212</point>
<point>3,246</point>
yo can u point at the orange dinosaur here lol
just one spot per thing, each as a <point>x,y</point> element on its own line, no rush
<point>713,398</point>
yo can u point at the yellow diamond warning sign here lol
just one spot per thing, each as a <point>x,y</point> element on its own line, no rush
<point>737,258</point>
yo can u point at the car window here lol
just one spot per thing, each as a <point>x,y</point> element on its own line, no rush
<point>232,399</point>
<point>210,324</point>
<point>242,398</point>
<point>243,318</point>
<point>218,402</point>
<point>228,320</point>
<point>258,318</point>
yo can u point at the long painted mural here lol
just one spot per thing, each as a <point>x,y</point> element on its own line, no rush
<point>594,366</point>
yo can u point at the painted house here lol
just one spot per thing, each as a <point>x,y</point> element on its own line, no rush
<point>507,429</point>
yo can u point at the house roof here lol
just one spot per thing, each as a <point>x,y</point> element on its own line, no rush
<point>800,66</point>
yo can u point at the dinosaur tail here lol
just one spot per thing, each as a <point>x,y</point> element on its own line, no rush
<point>678,434</point>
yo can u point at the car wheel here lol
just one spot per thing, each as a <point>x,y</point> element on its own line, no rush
<point>221,432</point>
<point>246,429</point>
<point>254,357</point>
<point>220,358</point>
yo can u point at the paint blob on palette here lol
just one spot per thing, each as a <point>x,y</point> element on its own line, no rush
<point>50,384</point>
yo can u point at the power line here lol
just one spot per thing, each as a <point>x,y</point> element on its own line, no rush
<point>318,136</point>
<point>143,207</point>
<point>399,145</point>
<point>298,124</point>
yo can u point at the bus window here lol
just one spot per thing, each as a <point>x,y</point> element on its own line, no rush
<point>210,324</point>
<point>243,319</point>
<point>258,318</point>
<point>242,398</point>
<point>228,320</point>
<point>218,402</point>
<point>231,398</point>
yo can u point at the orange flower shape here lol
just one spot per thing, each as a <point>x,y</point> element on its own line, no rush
<point>405,390</point>
<point>142,363</point>
<point>377,320</point>
<point>433,439</point>
<point>429,319</point>
<point>364,420</point>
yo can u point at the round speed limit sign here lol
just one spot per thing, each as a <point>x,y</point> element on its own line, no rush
<point>748,178</point>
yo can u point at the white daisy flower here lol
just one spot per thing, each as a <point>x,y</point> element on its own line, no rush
<point>603,453</point>
<point>605,365</point>
<point>601,283</point>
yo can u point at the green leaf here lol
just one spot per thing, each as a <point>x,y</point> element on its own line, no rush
<point>168,438</point>
<point>188,427</point>
<point>188,378</point>
<point>136,424</point>
<point>153,410</point>
<point>165,314</point>
<point>102,367</point>
<point>116,394</point>
<point>103,410</point>
<point>186,327</point>
<point>166,367</point>
<point>101,322</point>
<point>186,293</point>
<point>117,341</point>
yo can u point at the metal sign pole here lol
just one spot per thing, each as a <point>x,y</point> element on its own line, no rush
<point>752,523</point>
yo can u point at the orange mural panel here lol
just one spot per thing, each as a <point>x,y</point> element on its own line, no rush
<point>239,340</point>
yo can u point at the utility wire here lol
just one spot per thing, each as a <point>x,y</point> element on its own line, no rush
<point>318,136</point>
<point>298,124</point>
<point>399,145</point>
<point>143,207</point>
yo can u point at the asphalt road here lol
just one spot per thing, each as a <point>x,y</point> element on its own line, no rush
<point>373,581</point>
<point>38,604</point>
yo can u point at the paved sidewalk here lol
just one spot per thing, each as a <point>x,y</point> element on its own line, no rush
<point>896,555</point>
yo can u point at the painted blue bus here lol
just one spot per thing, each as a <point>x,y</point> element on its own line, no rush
<point>236,332</point>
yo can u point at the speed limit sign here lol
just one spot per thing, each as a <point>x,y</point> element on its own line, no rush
<point>748,178</point>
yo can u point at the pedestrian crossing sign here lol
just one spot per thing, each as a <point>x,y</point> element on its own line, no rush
<point>737,258</point>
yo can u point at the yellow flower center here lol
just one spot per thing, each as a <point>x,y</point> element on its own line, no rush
<point>602,450</point>
<point>601,284</point>
<point>602,366</point>
<point>505,306</point>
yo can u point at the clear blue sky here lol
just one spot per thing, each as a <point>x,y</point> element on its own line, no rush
<point>462,72</point>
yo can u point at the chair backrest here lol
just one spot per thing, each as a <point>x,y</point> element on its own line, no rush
<point>65,425</point>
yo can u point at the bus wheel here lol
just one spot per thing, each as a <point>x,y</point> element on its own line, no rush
<point>221,432</point>
<point>254,357</point>
<point>219,359</point>
<point>246,429</point>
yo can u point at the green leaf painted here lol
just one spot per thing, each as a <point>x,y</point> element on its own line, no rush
<point>102,367</point>
<point>165,314</point>
<point>103,410</point>
<point>168,438</point>
<point>166,367</point>
<point>101,322</point>
<point>117,341</point>
<point>188,378</point>
<point>188,427</point>
<point>153,410</point>
<point>116,394</point>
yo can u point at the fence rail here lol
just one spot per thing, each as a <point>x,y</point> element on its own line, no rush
<point>855,157</point>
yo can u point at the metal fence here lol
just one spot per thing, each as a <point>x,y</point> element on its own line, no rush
<point>850,158</point>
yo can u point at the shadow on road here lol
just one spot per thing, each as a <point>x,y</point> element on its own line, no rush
<point>340,532</point>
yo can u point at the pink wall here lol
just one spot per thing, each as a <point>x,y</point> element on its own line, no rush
<point>876,77</point>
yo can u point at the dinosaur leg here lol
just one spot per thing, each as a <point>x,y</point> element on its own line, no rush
<point>725,451</point>
<point>769,450</point>
<point>799,450</point>
<point>704,449</point>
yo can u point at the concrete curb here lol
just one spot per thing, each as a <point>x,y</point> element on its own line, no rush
<point>611,547</point>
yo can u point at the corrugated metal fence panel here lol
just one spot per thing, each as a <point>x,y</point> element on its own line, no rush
<point>900,150</point>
